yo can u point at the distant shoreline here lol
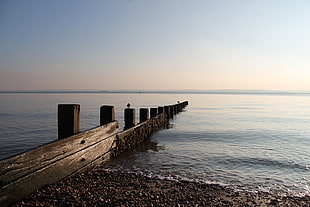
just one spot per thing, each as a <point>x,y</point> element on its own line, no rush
<point>218,92</point>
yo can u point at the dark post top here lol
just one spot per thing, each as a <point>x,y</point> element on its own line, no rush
<point>174,107</point>
<point>107,114</point>
<point>144,114</point>
<point>171,111</point>
<point>167,111</point>
<point>130,118</point>
<point>154,112</point>
<point>68,120</point>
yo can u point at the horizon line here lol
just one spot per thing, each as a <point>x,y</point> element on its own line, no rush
<point>176,91</point>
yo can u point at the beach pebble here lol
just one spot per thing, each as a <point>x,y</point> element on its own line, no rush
<point>100,187</point>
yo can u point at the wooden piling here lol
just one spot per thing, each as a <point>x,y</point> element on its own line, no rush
<point>171,112</point>
<point>167,111</point>
<point>107,114</point>
<point>68,120</point>
<point>22,174</point>
<point>130,118</point>
<point>154,112</point>
<point>175,109</point>
<point>144,114</point>
<point>179,107</point>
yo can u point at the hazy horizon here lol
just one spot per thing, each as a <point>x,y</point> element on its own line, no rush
<point>154,45</point>
<point>177,91</point>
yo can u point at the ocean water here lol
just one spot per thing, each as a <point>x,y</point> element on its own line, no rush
<point>253,141</point>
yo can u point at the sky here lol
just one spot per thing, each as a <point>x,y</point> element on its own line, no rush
<point>154,44</point>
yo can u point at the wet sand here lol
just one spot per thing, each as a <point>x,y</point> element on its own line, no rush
<point>106,187</point>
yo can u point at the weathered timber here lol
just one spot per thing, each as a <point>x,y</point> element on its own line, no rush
<point>175,109</point>
<point>144,114</point>
<point>68,120</point>
<point>24,173</point>
<point>172,108</point>
<point>130,138</point>
<point>107,114</point>
<point>160,109</point>
<point>171,111</point>
<point>130,118</point>
<point>180,108</point>
<point>154,112</point>
<point>167,111</point>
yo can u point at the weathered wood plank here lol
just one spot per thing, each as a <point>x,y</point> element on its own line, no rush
<point>21,165</point>
<point>53,172</point>
<point>107,114</point>
<point>68,120</point>
<point>24,173</point>
<point>130,118</point>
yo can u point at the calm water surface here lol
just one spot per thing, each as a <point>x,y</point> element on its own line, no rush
<point>248,142</point>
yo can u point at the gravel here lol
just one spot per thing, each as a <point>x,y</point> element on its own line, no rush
<point>109,187</point>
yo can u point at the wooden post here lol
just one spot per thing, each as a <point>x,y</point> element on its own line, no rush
<point>130,118</point>
<point>172,108</point>
<point>179,107</point>
<point>182,105</point>
<point>68,120</point>
<point>171,111</point>
<point>175,109</point>
<point>144,114</point>
<point>160,109</point>
<point>167,111</point>
<point>107,114</point>
<point>154,112</point>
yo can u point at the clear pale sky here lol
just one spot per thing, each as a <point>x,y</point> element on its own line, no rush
<point>154,44</point>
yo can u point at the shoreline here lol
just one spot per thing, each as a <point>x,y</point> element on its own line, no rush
<point>110,187</point>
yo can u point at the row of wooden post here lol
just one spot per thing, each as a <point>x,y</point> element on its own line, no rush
<point>69,116</point>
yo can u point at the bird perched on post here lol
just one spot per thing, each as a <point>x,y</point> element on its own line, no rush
<point>128,105</point>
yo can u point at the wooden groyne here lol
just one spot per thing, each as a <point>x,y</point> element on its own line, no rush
<point>75,151</point>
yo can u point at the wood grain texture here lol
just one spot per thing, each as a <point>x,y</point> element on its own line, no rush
<point>24,173</point>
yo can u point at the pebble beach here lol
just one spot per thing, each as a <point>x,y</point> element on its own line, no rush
<point>109,187</point>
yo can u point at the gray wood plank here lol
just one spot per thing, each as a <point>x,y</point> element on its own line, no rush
<point>38,158</point>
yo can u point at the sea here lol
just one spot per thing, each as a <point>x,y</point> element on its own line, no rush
<point>256,141</point>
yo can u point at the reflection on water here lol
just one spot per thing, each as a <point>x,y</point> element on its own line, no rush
<point>129,158</point>
<point>250,143</point>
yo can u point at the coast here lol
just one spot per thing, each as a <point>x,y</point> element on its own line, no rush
<point>111,187</point>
